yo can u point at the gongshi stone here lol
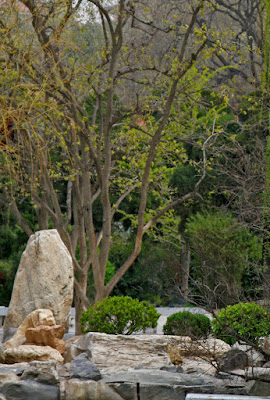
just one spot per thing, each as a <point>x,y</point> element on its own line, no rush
<point>44,280</point>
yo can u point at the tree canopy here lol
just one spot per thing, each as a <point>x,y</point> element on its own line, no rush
<point>100,102</point>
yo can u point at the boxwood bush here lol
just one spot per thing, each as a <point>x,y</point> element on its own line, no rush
<point>185,323</point>
<point>119,315</point>
<point>249,320</point>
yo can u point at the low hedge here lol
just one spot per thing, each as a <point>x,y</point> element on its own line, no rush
<point>185,323</point>
<point>119,315</point>
<point>248,320</point>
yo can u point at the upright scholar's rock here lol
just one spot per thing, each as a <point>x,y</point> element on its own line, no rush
<point>44,280</point>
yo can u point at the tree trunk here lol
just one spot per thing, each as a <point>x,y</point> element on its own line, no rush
<point>42,216</point>
<point>185,267</point>
<point>101,294</point>
<point>79,303</point>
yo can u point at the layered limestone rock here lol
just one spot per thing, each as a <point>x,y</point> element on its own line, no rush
<point>115,351</point>
<point>44,280</point>
<point>109,352</point>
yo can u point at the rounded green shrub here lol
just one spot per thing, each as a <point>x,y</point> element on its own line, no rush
<point>119,315</point>
<point>248,320</point>
<point>185,323</point>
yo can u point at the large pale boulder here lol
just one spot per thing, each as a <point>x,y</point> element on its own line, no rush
<point>117,352</point>
<point>44,280</point>
<point>120,351</point>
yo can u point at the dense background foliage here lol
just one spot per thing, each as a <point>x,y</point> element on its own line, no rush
<point>140,132</point>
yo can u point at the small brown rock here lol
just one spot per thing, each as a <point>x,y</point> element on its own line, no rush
<point>175,354</point>
<point>46,336</point>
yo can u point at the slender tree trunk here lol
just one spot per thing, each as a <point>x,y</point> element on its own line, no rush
<point>101,293</point>
<point>42,216</point>
<point>79,304</point>
<point>185,267</point>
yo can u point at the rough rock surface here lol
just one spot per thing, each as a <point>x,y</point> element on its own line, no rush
<point>27,353</point>
<point>44,372</point>
<point>16,369</point>
<point>174,368</point>
<point>256,359</point>
<point>150,375</point>
<point>34,319</point>
<point>46,336</point>
<point>234,359</point>
<point>192,365</point>
<point>84,369</point>
<point>44,280</point>
<point>107,351</point>
<point>258,379</point>
<point>116,351</point>
<point>163,385</point>
<point>259,373</point>
<point>90,390</point>
<point>29,390</point>
<point>44,380</point>
<point>260,389</point>
<point>150,383</point>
